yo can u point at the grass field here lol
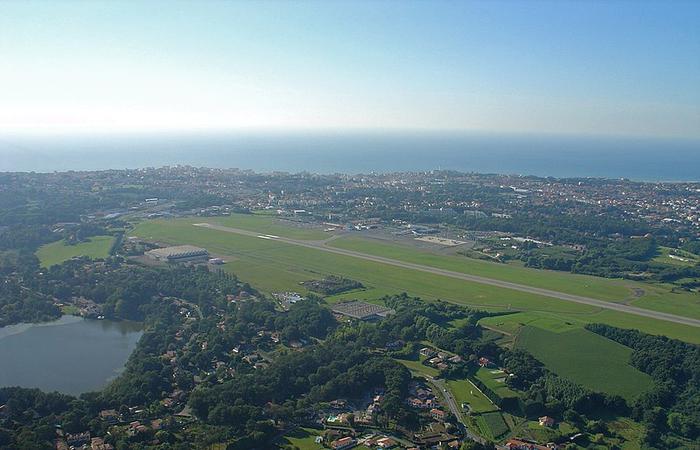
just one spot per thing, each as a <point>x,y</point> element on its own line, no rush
<point>586,358</point>
<point>57,252</point>
<point>465,392</point>
<point>653,296</point>
<point>274,266</point>
<point>601,288</point>
<point>491,377</point>
<point>417,367</point>
<point>303,438</point>
<point>492,424</point>
<point>268,224</point>
<point>682,258</point>
<point>514,323</point>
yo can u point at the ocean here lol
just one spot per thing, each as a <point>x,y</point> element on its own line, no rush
<point>556,156</point>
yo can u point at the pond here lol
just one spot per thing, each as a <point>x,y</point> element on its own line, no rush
<point>70,355</point>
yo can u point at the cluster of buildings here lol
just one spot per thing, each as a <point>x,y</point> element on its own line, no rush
<point>287,299</point>
<point>371,441</point>
<point>422,397</point>
<point>82,441</point>
<point>343,414</point>
<point>440,360</point>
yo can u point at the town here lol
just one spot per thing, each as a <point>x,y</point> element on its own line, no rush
<point>327,311</point>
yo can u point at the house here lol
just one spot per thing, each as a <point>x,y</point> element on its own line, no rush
<point>546,421</point>
<point>427,352</point>
<point>97,443</point>
<point>522,444</point>
<point>443,355</point>
<point>343,443</point>
<point>455,359</point>
<point>434,361</point>
<point>423,393</point>
<point>438,414</point>
<point>339,403</point>
<point>442,366</point>
<point>386,442</point>
<point>484,362</point>
<point>415,402</point>
<point>110,416</point>
<point>78,439</point>
<point>364,419</point>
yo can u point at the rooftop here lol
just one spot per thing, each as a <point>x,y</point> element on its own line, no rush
<point>179,251</point>
<point>361,310</point>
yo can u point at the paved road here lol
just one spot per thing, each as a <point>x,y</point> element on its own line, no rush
<point>320,245</point>
<point>456,411</point>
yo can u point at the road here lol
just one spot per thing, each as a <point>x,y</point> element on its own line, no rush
<point>454,408</point>
<point>321,246</point>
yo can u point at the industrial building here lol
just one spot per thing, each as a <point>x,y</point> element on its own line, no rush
<point>179,254</point>
<point>361,310</point>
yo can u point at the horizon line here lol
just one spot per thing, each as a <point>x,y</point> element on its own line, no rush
<point>80,132</point>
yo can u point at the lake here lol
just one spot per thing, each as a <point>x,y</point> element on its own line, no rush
<point>70,355</point>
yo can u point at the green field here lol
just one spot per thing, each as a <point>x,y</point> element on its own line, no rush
<point>586,358</point>
<point>600,288</point>
<point>493,379</point>
<point>682,258</point>
<point>492,424</point>
<point>513,323</point>
<point>303,438</point>
<point>268,224</point>
<point>644,295</point>
<point>465,392</point>
<point>419,368</point>
<point>57,252</point>
<point>271,266</point>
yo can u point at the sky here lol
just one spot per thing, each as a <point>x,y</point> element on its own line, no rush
<point>628,68</point>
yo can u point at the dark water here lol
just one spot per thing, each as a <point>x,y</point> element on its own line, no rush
<point>70,355</point>
<point>558,156</point>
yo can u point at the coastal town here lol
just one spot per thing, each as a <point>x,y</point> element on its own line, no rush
<point>335,311</point>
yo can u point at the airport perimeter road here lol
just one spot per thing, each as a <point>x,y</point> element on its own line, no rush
<point>320,245</point>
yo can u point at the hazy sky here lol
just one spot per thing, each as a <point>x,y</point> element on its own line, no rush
<point>607,67</point>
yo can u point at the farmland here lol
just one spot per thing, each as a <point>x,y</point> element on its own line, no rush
<point>492,424</point>
<point>57,252</point>
<point>272,266</point>
<point>586,358</point>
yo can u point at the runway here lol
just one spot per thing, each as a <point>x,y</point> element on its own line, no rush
<point>320,246</point>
